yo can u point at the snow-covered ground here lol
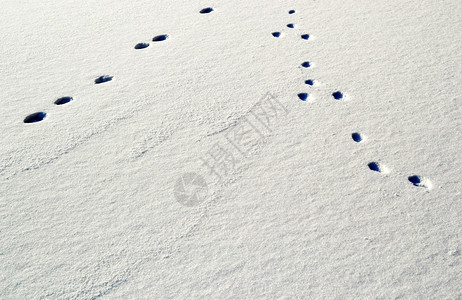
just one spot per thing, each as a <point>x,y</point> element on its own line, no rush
<point>217,163</point>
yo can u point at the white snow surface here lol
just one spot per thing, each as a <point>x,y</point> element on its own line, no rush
<point>87,202</point>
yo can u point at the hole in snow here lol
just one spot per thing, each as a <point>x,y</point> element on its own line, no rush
<point>415,180</point>
<point>306,64</point>
<point>35,117</point>
<point>309,82</point>
<point>160,38</point>
<point>356,137</point>
<point>276,34</point>
<point>374,166</point>
<point>63,100</point>
<point>206,10</point>
<point>337,95</point>
<point>291,11</point>
<point>419,181</point>
<point>305,36</point>
<point>290,25</point>
<point>141,45</point>
<point>102,79</point>
<point>302,96</point>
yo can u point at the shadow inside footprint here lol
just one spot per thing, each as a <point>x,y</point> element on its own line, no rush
<point>356,137</point>
<point>206,10</point>
<point>276,34</point>
<point>160,38</point>
<point>141,45</point>
<point>420,181</point>
<point>309,82</point>
<point>374,166</point>
<point>102,79</point>
<point>305,36</point>
<point>63,100</point>
<point>306,64</point>
<point>35,117</point>
<point>290,25</point>
<point>291,11</point>
<point>415,180</point>
<point>303,96</point>
<point>337,95</point>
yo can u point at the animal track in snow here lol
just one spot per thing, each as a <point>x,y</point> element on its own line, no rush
<point>416,180</point>
<point>292,11</point>
<point>357,137</point>
<point>337,95</point>
<point>276,34</point>
<point>102,79</point>
<point>377,167</point>
<point>63,100</point>
<point>159,38</point>
<point>419,181</point>
<point>206,10</point>
<point>35,117</point>
<point>141,46</point>
<point>303,96</point>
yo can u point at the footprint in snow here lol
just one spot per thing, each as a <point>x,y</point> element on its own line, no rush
<point>337,95</point>
<point>378,167</point>
<point>160,38</point>
<point>303,96</point>
<point>206,10</point>
<point>305,36</point>
<point>292,11</point>
<point>141,46</point>
<point>291,25</point>
<point>357,137</point>
<point>63,100</point>
<point>102,79</point>
<point>276,34</point>
<point>419,181</point>
<point>35,117</point>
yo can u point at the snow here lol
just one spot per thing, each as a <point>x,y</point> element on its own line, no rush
<point>110,196</point>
